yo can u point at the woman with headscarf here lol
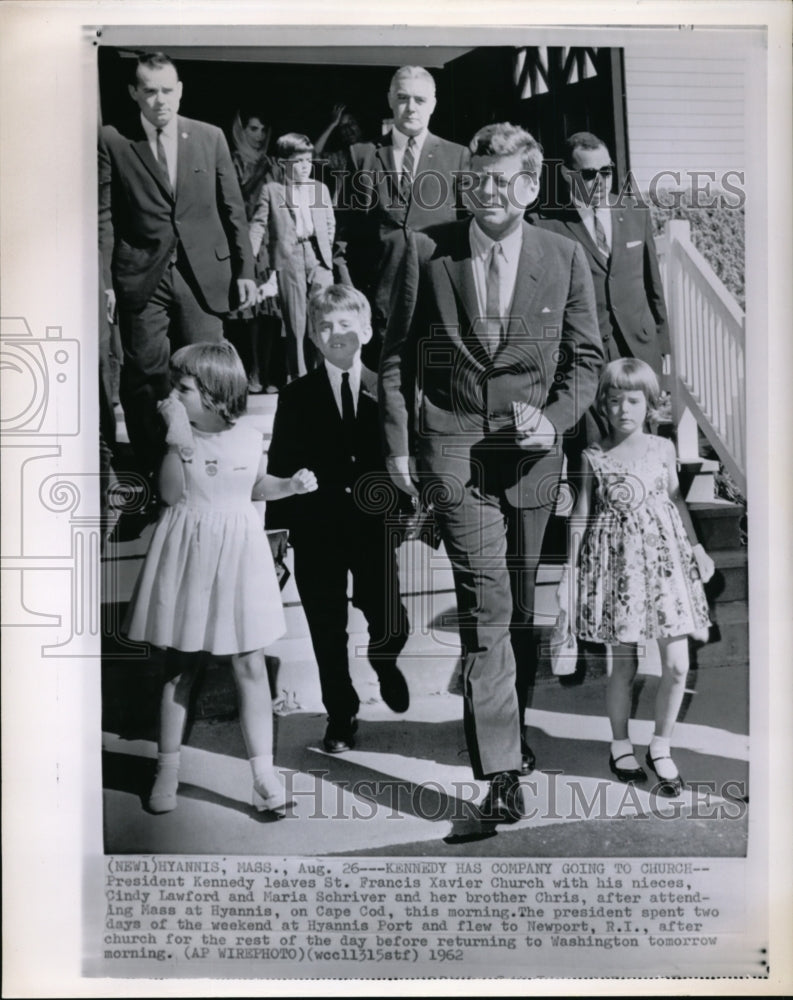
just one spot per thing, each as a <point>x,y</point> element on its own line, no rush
<point>255,331</point>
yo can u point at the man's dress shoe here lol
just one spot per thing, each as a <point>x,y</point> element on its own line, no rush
<point>504,800</point>
<point>340,736</point>
<point>394,689</point>
<point>527,758</point>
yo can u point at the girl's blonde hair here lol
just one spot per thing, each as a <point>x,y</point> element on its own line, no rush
<point>219,377</point>
<point>629,373</point>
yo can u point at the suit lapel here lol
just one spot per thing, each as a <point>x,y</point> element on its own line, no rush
<point>427,156</point>
<point>385,154</point>
<point>140,146</point>
<point>617,236</point>
<point>184,141</point>
<point>580,232</point>
<point>530,269</point>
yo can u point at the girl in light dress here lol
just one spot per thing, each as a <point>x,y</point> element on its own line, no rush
<point>639,568</point>
<point>208,583</point>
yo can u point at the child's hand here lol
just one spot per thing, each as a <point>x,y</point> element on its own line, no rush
<point>179,432</point>
<point>268,289</point>
<point>303,481</point>
<point>705,564</point>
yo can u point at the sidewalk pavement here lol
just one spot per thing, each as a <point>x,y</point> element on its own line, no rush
<point>406,788</point>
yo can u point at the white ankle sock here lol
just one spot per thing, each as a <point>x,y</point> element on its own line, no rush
<point>621,747</point>
<point>660,754</point>
<point>261,765</point>
<point>166,782</point>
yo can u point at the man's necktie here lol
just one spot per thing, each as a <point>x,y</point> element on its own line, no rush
<point>600,235</point>
<point>493,299</point>
<point>347,407</point>
<point>406,178</point>
<point>162,159</point>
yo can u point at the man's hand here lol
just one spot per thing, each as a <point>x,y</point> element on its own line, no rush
<point>402,471</point>
<point>111,310</point>
<point>541,439</point>
<point>247,292</point>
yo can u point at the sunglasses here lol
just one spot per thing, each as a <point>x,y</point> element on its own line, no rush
<point>590,173</point>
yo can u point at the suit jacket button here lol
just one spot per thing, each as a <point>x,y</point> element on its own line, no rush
<point>348,489</point>
<point>352,458</point>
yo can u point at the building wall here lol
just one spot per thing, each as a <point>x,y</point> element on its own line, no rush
<point>686,110</point>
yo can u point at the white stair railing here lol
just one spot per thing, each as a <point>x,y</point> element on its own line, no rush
<point>708,331</point>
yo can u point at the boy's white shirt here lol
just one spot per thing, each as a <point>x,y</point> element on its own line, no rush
<point>334,377</point>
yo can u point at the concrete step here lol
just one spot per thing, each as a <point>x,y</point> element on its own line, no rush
<point>719,524</point>
<point>697,479</point>
<point>730,582</point>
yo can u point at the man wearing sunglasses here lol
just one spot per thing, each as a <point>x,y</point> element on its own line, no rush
<point>617,238</point>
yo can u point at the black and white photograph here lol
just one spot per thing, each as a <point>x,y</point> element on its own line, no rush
<point>392,505</point>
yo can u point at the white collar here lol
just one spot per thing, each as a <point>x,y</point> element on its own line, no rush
<point>168,131</point>
<point>400,140</point>
<point>335,374</point>
<point>481,243</point>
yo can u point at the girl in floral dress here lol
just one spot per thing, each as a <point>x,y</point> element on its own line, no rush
<point>640,570</point>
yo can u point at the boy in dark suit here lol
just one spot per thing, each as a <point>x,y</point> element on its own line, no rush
<point>329,419</point>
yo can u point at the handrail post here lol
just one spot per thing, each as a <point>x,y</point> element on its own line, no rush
<point>678,231</point>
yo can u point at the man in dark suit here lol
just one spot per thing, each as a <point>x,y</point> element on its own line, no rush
<point>403,182</point>
<point>327,421</point>
<point>617,238</point>
<point>494,327</point>
<point>173,231</point>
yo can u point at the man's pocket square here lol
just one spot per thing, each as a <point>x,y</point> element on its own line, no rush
<point>633,243</point>
<point>545,309</point>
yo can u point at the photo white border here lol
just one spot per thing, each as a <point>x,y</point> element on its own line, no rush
<point>51,772</point>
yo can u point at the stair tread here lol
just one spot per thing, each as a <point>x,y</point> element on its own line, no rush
<point>731,613</point>
<point>715,507</point>
<point>728,558</point>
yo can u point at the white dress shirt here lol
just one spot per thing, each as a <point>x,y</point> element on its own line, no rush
<point>334,376</point>
<point>588,218</point>
<point>399,143</point>
<point>481,246</point>
<point>299,197</point>
<point>170,142</point>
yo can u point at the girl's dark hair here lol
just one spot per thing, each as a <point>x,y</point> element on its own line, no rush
<point>629,373</point>
<point>218,374</point>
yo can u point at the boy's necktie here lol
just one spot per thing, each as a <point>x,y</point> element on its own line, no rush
<point>493,299</point>
<point>162,159</point>
<point>600,235</point>
<point>406,178</point>
<point>347,407</point>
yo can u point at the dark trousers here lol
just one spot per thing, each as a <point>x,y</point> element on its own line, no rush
<point>494,550</point>
<point>322,564</point>
<point>525,533</point>
<point>175,315</point>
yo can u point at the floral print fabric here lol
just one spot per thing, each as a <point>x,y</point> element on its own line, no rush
<point>637,578</point>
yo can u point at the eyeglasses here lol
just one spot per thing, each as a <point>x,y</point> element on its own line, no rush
<point>590,173</point>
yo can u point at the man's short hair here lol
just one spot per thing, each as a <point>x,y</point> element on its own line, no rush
<point>412,73</point>
<point>338,298</point>
<point>152,60</point>
<point>505,139</point>
<point>581,140</point>
<point>293,144</point>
